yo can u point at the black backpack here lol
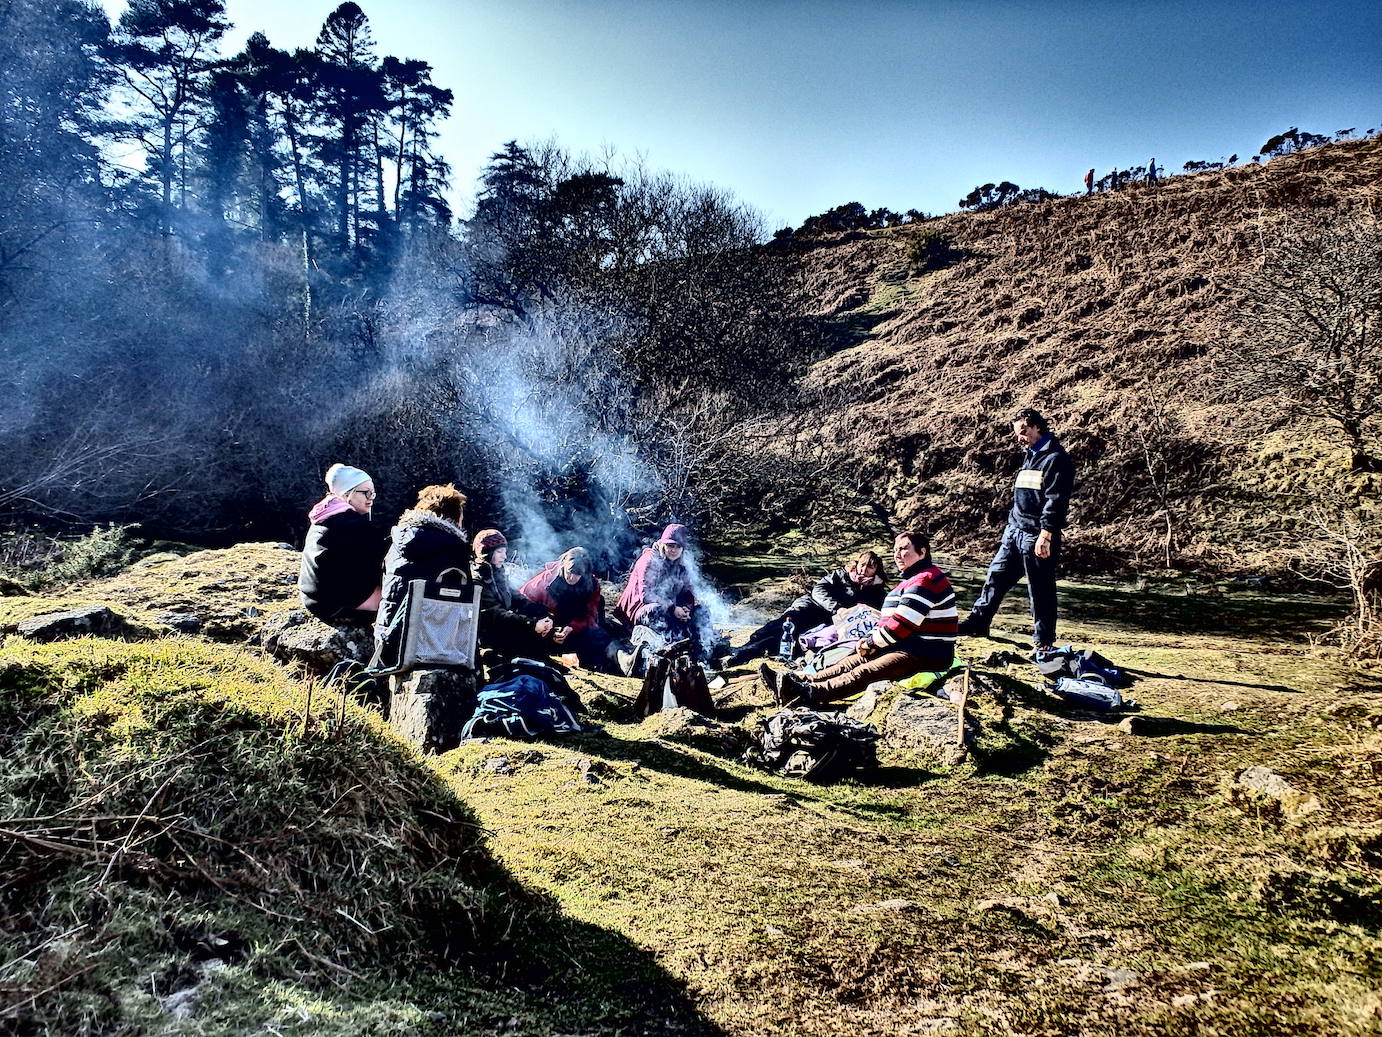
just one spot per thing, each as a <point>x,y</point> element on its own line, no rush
<point>819,747</point>
<point>674,679</point>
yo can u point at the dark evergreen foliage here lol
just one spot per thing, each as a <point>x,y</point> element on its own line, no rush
<point>218,275</point>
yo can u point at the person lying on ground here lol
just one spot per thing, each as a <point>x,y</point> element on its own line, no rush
<point>915,634</point>
<point>659,595</point>
<point>339,578</point>
<point>567,588</point>
<point>859,583</point>
<point>426,543</point>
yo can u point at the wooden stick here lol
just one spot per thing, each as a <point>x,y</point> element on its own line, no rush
<point>960,712</point>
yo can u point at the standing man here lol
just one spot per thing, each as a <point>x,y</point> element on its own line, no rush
<point>1089,182</point>
<point>1031,539</point>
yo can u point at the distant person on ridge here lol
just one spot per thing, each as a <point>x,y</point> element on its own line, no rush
<point>1089,182</point>
<point>859,583</point>
<point>1032,537</point>
<point>1151,171</point>
<point>916,634</point>
<point>344,551</point>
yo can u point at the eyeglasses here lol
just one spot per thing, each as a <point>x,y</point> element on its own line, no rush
<point>371,494</point>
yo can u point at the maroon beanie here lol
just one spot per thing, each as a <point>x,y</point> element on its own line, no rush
<point>487,540</point>
<point>674,534</point>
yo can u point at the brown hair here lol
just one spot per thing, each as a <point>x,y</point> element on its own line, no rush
<point>921,543</point>
<point>446,501</point>
<point>864,559</point>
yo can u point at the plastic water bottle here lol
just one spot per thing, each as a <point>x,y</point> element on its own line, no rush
<point>788,642</point>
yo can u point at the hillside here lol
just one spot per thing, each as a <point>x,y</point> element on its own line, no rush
<point>1105,312</point>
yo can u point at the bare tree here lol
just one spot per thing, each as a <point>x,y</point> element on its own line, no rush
<point>1310,319</point>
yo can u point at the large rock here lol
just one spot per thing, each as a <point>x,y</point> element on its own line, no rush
<point>1262,785</point>
<point>299,637</point>
<point>681,724</point>
<point>429,707</point>
<point>917,722</point>
<point>94,619</point>
<point>928,726</point>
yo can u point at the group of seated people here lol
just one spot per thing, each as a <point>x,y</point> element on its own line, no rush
<point>352,572</point>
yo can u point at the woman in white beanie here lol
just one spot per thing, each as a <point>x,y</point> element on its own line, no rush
<point>344,553</point>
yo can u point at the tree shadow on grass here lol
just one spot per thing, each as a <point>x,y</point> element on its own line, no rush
<point>1212,680</point>
<point>558,974</point>
<point>1248,615</point>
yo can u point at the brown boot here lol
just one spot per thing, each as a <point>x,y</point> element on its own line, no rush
<point>769,678</point>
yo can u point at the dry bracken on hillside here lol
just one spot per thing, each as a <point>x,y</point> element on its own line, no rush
<point>1108,313</point>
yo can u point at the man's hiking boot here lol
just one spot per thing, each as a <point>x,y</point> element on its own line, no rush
<point>973,626</point>
<point>769,678</point>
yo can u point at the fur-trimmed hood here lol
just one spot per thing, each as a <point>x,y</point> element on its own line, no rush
<point>413,518</point>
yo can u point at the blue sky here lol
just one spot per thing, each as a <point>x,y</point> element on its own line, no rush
<point>796,107</point>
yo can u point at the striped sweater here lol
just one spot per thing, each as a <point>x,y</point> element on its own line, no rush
<point>919,615</point>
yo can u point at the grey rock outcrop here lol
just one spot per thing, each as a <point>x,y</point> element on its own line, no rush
<point>299,637</point>
<point>923,724</point>
<point>429,707</point>
<point>94,619</point>
<point>1264,785</point>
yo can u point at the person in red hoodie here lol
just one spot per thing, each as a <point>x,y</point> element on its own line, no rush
<point>916,633</point>
<point>567,588</point>
<point>660,596</point>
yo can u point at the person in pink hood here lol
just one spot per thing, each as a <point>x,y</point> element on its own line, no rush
<point>659,594</point>
<point>343,557</point>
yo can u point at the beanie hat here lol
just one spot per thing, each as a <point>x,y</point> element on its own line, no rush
<point>674,534</point>
<point>341,478</point>
<point>487,540</point>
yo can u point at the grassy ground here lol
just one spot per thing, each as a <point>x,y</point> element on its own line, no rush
<point>1071,878</point>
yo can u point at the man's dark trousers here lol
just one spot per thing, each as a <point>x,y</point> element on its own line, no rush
<point>1015,559</point>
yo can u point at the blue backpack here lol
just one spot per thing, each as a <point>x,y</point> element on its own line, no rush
<point>520,707</point>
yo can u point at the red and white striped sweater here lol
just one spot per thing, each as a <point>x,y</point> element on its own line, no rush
<point>919,615</point>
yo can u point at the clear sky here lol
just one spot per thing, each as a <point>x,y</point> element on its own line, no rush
<point>797,107</point>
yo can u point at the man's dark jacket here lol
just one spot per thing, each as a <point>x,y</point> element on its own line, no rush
<point>1041,496</point>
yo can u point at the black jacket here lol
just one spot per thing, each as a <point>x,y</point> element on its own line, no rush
<point>340,564</point>
<point>506,617</point>
<point>836,591</point>
<point>422,547</point>
<point>1041,496</point>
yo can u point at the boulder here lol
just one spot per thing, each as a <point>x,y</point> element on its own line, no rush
<point>1262,784</point>
<point>94,619</point>
<point>928,726</point>
<point>299,637</point>
<point>182,622</point>
<point>429,707</point>
<point>918,722</point>
<point>684,725</point>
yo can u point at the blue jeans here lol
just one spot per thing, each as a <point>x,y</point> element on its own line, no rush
<point>1016,558</point>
